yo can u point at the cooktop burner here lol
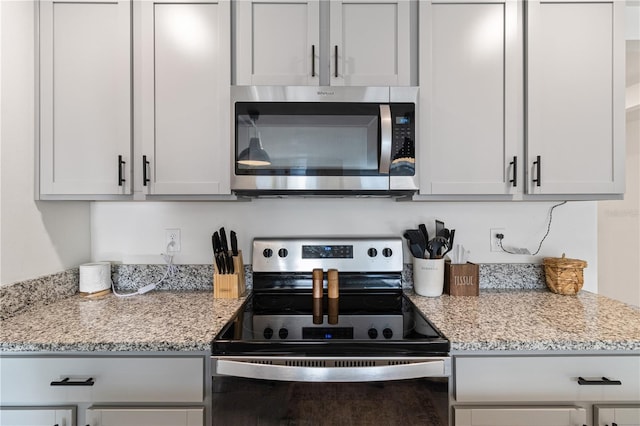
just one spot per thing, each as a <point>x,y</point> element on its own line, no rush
<point>353,324</point>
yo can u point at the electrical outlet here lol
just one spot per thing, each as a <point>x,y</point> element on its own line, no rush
<point>172,236</point>
<point>495,241</point>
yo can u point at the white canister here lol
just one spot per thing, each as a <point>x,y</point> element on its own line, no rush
<point>95,277</point>
<point>428,276</point>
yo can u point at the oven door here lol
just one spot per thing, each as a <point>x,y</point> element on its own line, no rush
<point>309,140</point>
<point>341,390</point>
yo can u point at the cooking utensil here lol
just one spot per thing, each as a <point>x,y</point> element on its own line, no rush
<point>424,231</point>
<point>450,243</point>
<point>415,237</point>
<point>434,247</point>
<point>439,227</point>
<point>228,261</point>
<point>217,249</point>
<point>234,243</point>
<point>416,251</point>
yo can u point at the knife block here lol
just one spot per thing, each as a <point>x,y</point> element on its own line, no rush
<point>229,286</point>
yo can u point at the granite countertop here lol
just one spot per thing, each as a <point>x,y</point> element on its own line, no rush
<point>533,320</point>
<point>498,320</point>
<point>156,321</point>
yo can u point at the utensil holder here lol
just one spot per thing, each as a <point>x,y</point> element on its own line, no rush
<point>461,279</point>
<point>229,286</point>
<point>428,276</point>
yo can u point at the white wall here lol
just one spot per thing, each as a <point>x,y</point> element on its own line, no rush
<point>619,221</point>
<point>36,238</point>
<point>134,232</point>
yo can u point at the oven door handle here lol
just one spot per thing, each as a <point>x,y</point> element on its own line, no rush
<point>433,368</point>
<point>385,139</point>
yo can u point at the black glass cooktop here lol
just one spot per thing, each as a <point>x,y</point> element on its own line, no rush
<point>384,323</point>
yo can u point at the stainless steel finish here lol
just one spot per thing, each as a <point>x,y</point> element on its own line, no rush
<point>328,369</point>
<point>309,94</point>
<point>385,139</point>
<point>404,94</point>
<point>361,260</point>
<point>360,323</point>
<point>310,184</point>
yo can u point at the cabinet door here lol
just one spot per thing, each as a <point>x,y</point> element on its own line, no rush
<point>155,416</point>
<point>85,97</point>
<point>470,98</point>
<point>369,43</point>
<point>277,42</point>
<point>37,416</point>
<point>575,97</point>
<point>31,380</point>
<point>519,416</point>
<point>616,415</point>
<point>182,97</point>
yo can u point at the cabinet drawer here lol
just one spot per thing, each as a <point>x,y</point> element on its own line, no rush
<point>519,416</point>
<point>621,415</point>
<point>156,416</point>
<point>546,378</point>
<point>27,380</point>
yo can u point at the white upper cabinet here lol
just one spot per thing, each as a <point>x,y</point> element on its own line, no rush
<point>85,97</point>
<point>575,97</point>
<point>283,43</point>
<point>369,43</point>
<point>471,134</point>
<point>182,78</point>
<point>277,42</point>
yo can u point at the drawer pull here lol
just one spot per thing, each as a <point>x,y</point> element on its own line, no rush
<point>67,382</point>
<point>603,381</point>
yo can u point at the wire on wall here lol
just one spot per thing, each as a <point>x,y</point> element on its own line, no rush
<point>543,238</point>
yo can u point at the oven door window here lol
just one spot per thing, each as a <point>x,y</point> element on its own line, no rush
<point>247,402</point>
<point>307,139</point>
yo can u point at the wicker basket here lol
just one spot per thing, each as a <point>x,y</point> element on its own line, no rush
<point>563,275</point>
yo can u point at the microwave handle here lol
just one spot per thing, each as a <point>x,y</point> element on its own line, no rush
<point>385,139</point>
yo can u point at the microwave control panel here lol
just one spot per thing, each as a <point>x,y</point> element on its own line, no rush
<point>403,151</point>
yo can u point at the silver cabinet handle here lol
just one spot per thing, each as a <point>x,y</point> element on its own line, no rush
<point>250,370</point>
<point>385,139</point>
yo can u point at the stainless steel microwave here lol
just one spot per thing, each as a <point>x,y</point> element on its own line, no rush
<point>324,140</point>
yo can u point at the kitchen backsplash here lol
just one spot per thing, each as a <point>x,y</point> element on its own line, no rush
<point>39,291</point>
<point>127,278</point>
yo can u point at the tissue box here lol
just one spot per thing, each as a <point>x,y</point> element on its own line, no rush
<point>462,279</point>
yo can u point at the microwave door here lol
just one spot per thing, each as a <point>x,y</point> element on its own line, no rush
<point>385,139</point>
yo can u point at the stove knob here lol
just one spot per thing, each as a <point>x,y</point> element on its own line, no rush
<point>387,252</point>
<point>267,252</point>
<point>372,252</point>
<point>387,333</point>
<point>268,333</point>
<point>283,333</point>
<point>373,333</point>
<point>283,252</point>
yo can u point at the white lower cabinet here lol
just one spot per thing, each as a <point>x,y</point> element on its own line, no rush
<point>145,416</point>
<point>616,415</point>
<point>519,416</point>
<point>105,390</point>
<point>36,416</point>
<point>532,390</point>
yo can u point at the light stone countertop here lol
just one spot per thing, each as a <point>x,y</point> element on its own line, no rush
<point>533,320</point>
<point>497,320</point>
<point>156,321</point>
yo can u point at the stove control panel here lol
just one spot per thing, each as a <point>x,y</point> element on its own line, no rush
<point>344,254</point>
<point>349,327</point>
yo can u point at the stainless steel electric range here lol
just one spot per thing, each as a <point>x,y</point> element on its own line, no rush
<point>327,332</point>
